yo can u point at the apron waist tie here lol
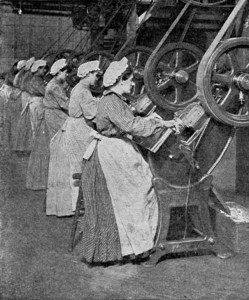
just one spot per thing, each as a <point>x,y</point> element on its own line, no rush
<point>90,149</point>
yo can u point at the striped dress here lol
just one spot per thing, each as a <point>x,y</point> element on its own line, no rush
<point>120,204</point>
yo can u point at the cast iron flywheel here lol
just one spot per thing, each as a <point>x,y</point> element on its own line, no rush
<point>170,75</point>
<point>223,82</point>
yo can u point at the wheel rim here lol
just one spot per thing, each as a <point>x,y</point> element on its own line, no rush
<point>170,76</point>
<point>223,82</point>
<point>206,3</point>
<point>53,56</point>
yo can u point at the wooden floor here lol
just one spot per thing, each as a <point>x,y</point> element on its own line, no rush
<point>35,262</point>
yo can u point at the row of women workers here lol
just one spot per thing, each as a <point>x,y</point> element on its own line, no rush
<point>120,203</point>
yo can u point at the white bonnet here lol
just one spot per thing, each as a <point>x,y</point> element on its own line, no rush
<point>57,66</point>
<point>29,63</point>
<point>115,70</point>
<point>21,64</point>
<point>86,68</point>
<point>37,64</point>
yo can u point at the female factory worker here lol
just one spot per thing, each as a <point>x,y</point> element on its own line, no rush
<point>14,106</point>
<point>36,89</point>
<point>19,76</point>
<point>26,78</point>
<point>12,102</point>
<point>54,115</point>
<point>68,146</point>
<point>24,136</point>
<point>120,203</point>
<point>56,99</point>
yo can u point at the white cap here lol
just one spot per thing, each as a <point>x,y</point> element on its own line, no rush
<point>37,64</point>
<point>86,68</point>
<point>21,64</point>
<point>115,70</point>
<point>57,66</point>
<point>29,63</point>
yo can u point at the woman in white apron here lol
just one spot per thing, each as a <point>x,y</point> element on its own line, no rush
<point>36,89</point>
<point>120,203</point>
<point>24,136</point>
<point>52,117</point>
<point>10,97</point>
<point>69,144</point>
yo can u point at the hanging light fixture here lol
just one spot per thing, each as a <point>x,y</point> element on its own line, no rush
<point>20,8</point>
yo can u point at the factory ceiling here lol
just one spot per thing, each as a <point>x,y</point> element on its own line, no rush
<point>51,7</point>
<point>63,7</point>
<point>67,7</point>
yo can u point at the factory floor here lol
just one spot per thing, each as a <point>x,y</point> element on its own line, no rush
<point>35,262</point>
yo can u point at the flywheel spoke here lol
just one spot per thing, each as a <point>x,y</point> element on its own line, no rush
<point>138,55</point>
<point>229,98</point>
<point>233,61</point>
<point>223,79</point>
<point>192,85</point>
<point>165,84</point>
<point>192,67</point>
<point>178,61</point>
<point>178,94</point>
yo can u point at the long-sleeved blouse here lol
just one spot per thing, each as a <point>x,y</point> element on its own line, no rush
<point>36,86</point>
<point>55,95</point>
<point>26,78</point>
<point>115,118</point>
<point>9,78</point>
<point>19,78</point>
<point>82,103</point>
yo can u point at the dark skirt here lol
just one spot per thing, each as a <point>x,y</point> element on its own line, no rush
<point>100,239</point>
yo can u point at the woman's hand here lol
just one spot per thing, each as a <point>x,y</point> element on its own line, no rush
<point>175,125</point>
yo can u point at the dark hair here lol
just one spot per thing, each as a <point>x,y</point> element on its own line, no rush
<point>14,69</point>
<point>42,67</point>
<point>127,73</point>
<point>99,72</point>
<point>66,67</point>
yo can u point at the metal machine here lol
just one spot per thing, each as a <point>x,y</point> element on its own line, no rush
<point>209,92</point>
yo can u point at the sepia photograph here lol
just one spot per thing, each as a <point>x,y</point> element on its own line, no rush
<point>124,150</point>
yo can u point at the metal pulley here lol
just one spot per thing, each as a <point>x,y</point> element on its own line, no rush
<point>223,82</point>
<point>170,76</point>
